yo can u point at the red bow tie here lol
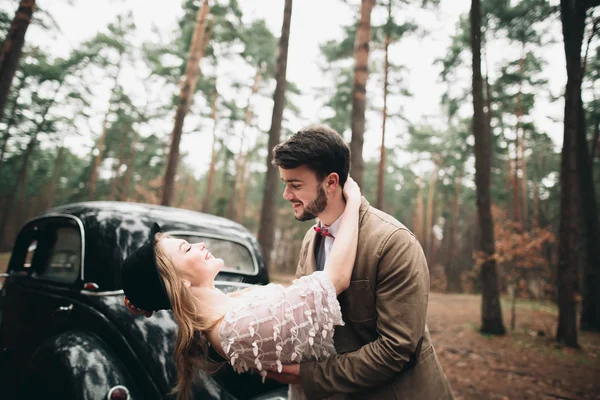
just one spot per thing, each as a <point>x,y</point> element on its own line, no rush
<point>323,232</point>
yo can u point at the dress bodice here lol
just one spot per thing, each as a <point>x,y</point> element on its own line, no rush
<point>276,325</point>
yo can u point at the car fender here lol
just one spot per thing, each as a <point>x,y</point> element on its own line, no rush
<point>75,365</point>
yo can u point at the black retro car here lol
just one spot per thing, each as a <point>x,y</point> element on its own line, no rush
<point>64,331</point>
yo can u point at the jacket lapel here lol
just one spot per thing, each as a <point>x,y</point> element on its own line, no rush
<point>311,260</point>
<point>362,211</point>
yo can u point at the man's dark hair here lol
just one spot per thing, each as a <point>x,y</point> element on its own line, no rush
<point>319,148</point>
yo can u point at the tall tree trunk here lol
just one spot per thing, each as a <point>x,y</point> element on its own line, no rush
<point>429,221</point>
<point>590,310</point>
<point>573,21</point>
<point>359,90</point>
<point>55,175</point>
<point>186,94</point>
<point>268,212</point>
<point>213,158</point>
<point>491,314</point>
<point>386,67</point>
<point>100,147</point>
<point>418,221</point>
<point>12,49</point>
<point>11,121</point>
<point>124,194</point>
<point>452,270</point>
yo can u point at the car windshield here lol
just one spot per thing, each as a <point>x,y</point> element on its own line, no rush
<point>236,256</point>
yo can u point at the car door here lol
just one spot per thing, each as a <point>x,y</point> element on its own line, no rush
<point>44,274</point>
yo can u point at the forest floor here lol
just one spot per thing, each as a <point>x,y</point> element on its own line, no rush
<point>524,364</point>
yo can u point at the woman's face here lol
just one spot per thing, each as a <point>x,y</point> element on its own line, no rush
<point>194,261</point>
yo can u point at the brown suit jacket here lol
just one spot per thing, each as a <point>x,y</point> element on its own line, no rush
<point>384,310</point>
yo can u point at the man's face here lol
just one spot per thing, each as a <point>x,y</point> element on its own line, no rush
<point>304,191</point>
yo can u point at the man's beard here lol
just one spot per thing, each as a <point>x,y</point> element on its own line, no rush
<point>316,207</point>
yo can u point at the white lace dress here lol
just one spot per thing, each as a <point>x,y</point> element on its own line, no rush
<point>276,325</point>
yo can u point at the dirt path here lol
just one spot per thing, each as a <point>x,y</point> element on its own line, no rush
<point>526,364</point>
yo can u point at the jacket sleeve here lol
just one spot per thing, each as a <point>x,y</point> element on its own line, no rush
<point>401,297</point>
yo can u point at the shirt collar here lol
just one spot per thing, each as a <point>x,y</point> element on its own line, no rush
<point>333,228</point>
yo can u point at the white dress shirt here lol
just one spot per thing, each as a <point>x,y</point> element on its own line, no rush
<point>333,229</point>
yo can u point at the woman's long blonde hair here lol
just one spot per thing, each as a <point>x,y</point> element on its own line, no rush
<point>191,347</point>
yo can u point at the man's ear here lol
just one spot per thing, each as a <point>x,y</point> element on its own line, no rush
<point>332,181</point>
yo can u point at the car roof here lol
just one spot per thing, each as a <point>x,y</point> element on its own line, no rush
<point>112,230</point>
<point>108,209</point>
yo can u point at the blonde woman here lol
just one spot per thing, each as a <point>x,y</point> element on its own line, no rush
<point>260,328</point>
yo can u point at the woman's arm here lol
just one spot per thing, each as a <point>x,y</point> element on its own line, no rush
<point>343,253</point>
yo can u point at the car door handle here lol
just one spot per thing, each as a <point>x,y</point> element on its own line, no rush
<point>64,309</point>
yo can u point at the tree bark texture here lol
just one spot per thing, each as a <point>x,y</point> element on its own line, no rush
<point>12,49</point>
<point>186,94</point>
<point>386,67</point>
<point>491,314</point>
<point>590,310</point>
<point>268,213</point>
<point>573,19</point>
<point>359,90</point>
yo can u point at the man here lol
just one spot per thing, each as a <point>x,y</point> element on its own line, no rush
<point>384,350</point>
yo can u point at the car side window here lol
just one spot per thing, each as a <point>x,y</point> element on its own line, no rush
<point>29,255</point>
<point>58,254</point>
<point>236,256</point>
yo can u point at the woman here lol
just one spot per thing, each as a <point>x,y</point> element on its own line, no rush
<point>258,328</point>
